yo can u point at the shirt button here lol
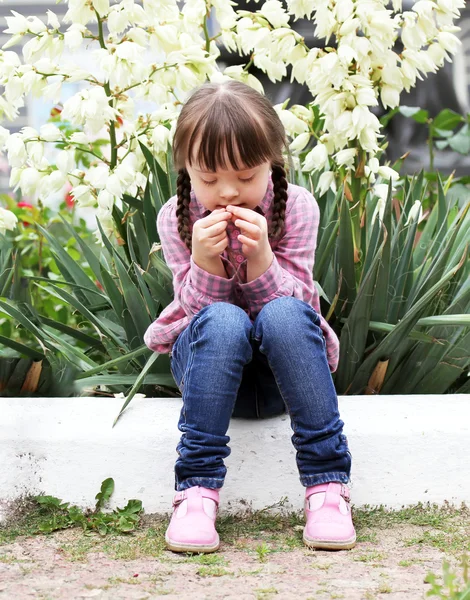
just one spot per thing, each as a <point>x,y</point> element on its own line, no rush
<point>239,258</point>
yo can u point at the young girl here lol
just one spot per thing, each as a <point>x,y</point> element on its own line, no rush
<point>244,329</point>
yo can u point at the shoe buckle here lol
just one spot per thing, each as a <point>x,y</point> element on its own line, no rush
<point>178,499</point>
<point>345,493</point>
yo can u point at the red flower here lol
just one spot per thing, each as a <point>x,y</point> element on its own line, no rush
<point>27,205</point>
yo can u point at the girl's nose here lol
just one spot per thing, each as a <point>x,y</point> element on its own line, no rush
<point>229,192</point>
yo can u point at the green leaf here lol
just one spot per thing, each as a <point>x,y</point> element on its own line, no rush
<point>107,489</point>
<point>137,384</point>
<point>346,259</point>
<point>460,142</point>
<point>447,119</point>
<point>21,348</point>
<point>393,340</point>
<point>418,114</point>
<point>356,328</point>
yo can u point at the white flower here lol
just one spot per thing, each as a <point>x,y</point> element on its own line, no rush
<point>16,150</point>
<point>449,41</point>
<point>388,173</point>
<point>316,159</point>
<point>29,180</point>
<point>415,214</point>
<point>50,133</point>
<point>7,220</point>
<point>390,96</point>
<point>80,138</point>
<point>292,124</point>
<point>101,7</point>
<point>51,184</point>
<point>97,176</point>
<point>300,142</point>
<point>326,182</point>
<point>345,157</point>
<point>17,25</point>
<point>65,161</point>
<point>301,8</point>
<point>73,37</point>
<point>52,20</point>
<point>106,201</point>
<point>275,13</point>
<point>82,194</point>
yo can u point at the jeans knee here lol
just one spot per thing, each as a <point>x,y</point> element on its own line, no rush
<point>223,321</point>
<point>284,317</point>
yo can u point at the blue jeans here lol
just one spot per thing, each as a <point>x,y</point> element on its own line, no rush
<point>224,364</point>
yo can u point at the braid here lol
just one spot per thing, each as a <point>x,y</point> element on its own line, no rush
<point>183,191</point>
<point>280,199</point>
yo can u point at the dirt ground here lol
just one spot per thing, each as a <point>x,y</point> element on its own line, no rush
<point>261,557</point>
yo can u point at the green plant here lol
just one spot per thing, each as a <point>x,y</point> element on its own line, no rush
<point>401,303</point>
<point>60,515</point>
<point>450,588</point>
<point>117,292</point>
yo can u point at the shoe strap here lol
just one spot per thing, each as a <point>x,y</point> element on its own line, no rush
<point>204,493</point>
<point>325,487</point>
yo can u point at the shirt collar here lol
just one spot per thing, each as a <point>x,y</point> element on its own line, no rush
<point>200,211</point>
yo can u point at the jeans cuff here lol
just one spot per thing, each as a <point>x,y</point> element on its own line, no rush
<point>207,482</point>
<point>310,480</point>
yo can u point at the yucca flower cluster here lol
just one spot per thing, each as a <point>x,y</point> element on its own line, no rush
<point>346,81</point>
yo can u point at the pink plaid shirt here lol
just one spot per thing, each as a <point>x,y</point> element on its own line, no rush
<point>290,273</point>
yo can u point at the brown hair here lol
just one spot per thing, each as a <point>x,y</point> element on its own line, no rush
<point>226,117</point>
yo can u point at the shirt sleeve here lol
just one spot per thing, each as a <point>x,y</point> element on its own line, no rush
<point>193,287</point>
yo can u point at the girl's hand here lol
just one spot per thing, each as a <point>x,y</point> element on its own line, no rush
<point>209,239</point>
<point>254,231</point>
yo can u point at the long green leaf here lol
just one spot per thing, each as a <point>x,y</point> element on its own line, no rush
<point>392,341</point>
<point>138,382</point>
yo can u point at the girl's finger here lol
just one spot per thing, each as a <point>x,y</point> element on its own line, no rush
<point>215,217</point>
<point>248,228</point>
<point>216,229</point>
<point>244,213</point>
<point>247,241</point>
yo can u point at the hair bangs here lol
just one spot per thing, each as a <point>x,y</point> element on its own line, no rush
<point>230,138</point>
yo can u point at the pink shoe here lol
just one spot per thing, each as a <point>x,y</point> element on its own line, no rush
<point>192,526</point>
<point>328,515</point>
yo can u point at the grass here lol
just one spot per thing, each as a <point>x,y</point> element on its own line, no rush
<point>260,533</point>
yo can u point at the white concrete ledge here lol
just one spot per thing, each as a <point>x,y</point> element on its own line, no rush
<point>406,449</point>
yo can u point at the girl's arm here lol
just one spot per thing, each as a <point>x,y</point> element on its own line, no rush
<point>194,288</point>
<point>291,270</point>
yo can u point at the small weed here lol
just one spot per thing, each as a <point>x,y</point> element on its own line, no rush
<point>262,550</point>
<point>213,571</point>
<point>451,588</point>
<point>206,559</point>
<point>370,557</point>
<point>406,563</point>
<point>322,567</point>
<point>117,581</point>
<point>264,594</point>
<point>384,588</point>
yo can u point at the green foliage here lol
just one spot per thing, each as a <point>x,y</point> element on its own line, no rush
<point>398,291</point>
<point>116,291</point>
<point>60,515</point>
<point>450,588</point>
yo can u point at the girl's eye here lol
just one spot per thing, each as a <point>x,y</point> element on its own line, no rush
<point>247,180</point>
<point>209,182</point>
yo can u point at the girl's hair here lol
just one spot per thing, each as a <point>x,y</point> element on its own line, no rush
<point>223,118</point>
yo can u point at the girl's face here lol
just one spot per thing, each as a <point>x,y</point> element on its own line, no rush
<point>245,188</point>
